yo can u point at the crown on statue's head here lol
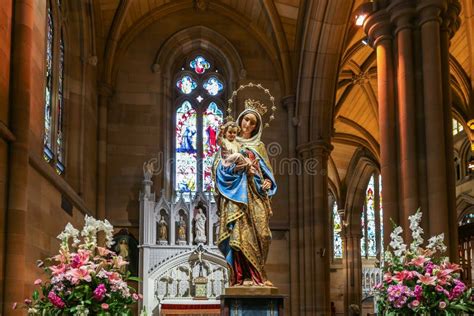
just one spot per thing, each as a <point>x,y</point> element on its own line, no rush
<point>256,106</point>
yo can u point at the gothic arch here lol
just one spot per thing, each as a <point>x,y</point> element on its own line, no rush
<point>120,39</point>
<point>464,205</point>
<point>321,51</point>
<point>362,166</point>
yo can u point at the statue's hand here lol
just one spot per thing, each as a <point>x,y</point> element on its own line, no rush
<point>267,184</point>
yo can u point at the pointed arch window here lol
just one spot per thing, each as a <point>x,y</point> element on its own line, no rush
<point>53,138</point>
<point>337,229</point>
<point>371,244</point>
<point>200,91</point>
<point>457,127</point>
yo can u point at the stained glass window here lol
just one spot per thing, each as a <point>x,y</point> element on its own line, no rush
<point>372,220</point>
<point>48,104</point>
<point>212,119</point>
<point>199,64</point>
<point>363,241</point>
<point>186,149</point>
<point>186,84</point>
<point>53,141</point>
<point>197,124</point>
<point>60,110</point>
<point>337,240</point>
<point>371,239</point>
<point>457,127</point>
<point>381,214</point>
<point>213,86</point>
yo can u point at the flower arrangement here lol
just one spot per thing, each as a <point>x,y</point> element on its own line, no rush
<point>420,280</point>
<point>84,278</point>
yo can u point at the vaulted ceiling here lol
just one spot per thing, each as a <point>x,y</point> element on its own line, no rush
<point>280,23</point>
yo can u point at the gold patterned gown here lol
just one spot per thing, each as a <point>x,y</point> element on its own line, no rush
<point>245,236</point>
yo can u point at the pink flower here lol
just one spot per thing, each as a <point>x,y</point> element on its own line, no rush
<point>419,261</point>
<point>387,277</point>
<point>104,306</point>
<point>452,266</point>
<point>418,292</point>
<point>426,279</point>
<point>442,305</point>
<point>99,292</point>
<point>81,258</point>
<point>439,288</point>
<point>58,269</point>
<point>415,303</point>
<point>403,275</point>
<point>119,262</point>
<point>38,281</point>
<point>103,252</point>
<point>137,297</point>
<point>82,273</point>
<point>56,300</point>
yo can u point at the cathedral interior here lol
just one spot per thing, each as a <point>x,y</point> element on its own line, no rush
<point>110,108</point>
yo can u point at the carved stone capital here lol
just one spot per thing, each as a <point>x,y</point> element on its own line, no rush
<point>288,102</point>
<point>430,10</point>
<point>315,149</point>
<point>402,14</point>
<point>378,27</point>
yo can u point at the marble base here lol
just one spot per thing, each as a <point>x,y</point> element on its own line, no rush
<point>252,301</point>
<point>251,290</point>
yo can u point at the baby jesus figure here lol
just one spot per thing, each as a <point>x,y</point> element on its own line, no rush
<point>231,150</point>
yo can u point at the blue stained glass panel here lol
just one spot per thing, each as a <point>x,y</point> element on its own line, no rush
<point>337,240</point>
<point>213,86</point>
<point>199,64</point>
<point>381,215</point>
<point>48,114</point>
<point>60,111</point>
<point>212,119</point>
<point>186,149</point>
<point>370,208</point>
<point>186,84</point>
<point>363,245</point>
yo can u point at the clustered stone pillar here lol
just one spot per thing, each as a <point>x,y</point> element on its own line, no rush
<point>313,222</point>
<point>20,101</point>
<point>411,39</point>
<point>352,260</point>
<point>105,93</point>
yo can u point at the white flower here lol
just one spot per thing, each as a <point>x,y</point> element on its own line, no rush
<point>416,230</point>
<point>397,243</point>
<point>437,243</point>
<point>68,232</point>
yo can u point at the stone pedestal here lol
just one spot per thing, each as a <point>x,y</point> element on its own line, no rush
<point>252,301</point>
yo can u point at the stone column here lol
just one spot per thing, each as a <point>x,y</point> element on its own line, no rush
<point>352,265</point>
<point>379,29</point>
<point>433,109</point>
<point>6,136</point>
<point>289,103</point>
<point>105,93</point>
<point>20,98</point>
<point>403,13</point>
<point>451,22</point>
<point>416,150</point>
<point>313,233</point>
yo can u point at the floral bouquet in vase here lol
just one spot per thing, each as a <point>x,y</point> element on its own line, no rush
<point>84,278</point>
<point>421,280</point>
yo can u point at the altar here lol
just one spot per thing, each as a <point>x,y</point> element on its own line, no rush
<point>180,265</point>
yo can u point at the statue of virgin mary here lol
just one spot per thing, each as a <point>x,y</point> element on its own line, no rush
<point>243,200</point>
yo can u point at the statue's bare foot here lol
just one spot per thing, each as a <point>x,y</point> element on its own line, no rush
<point>268,283</point>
